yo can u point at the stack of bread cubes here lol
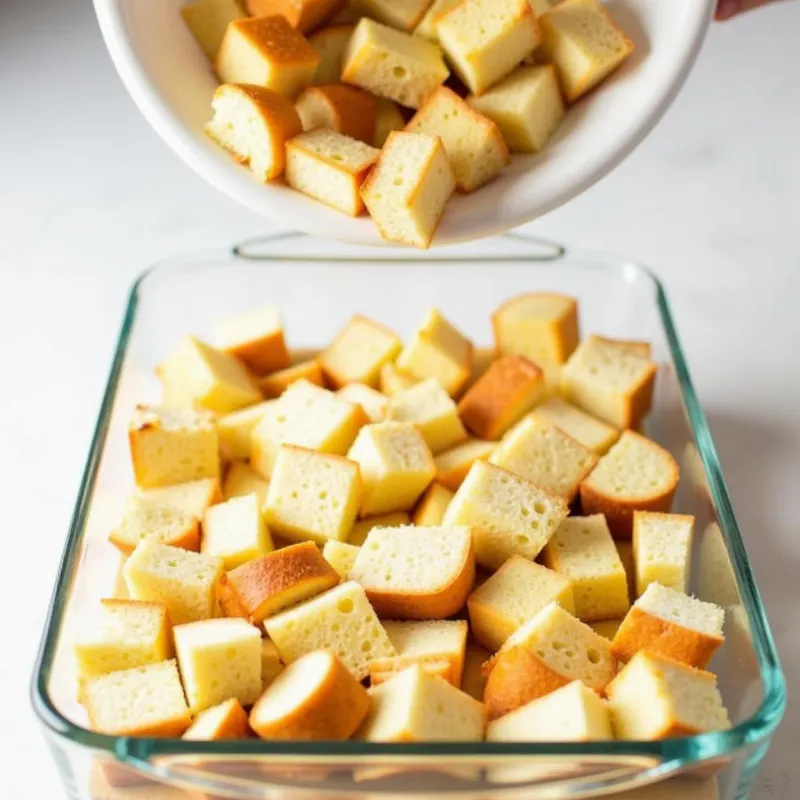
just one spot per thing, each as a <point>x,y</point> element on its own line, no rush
<point>392,106</point>
<point>403,541</point>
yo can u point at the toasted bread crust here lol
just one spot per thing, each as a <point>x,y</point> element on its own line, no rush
<point>352,110</point>
<point>275,384</point>
<point>305,15</point>
<point>233,725</point>
<point>384,669</point>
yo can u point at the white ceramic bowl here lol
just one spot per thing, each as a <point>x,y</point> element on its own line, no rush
<point>170,80</point>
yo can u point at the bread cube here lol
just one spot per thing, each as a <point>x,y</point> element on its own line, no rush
<point>607,628</point>
<point>473,681</point>
<point>393,380</point>
<point>407,191</point>
<point>428,406</point>
<point>486,39</point>
<point>656,698</point>
<point>269,52</point>
<point>716,581</point>
<point>415,707</point>
<point>584,428</point>
<point>277,383</point>
<point>670,624</point>
<point>241,480</point>
<point>330,44</point>
<point>581,39</point>
<point>573,713</point>
<point>402,15</point>
<point>341,556</point>
<point>544,455</point>
<point>510,597</point>
<point>371,400</point>
<point>271,664</point>
<point>502,396</point>
<point>439,668</point>
<point>583,550</point>
<point>438,350</point>
<point>330,167</point>
<point>358,352</point>
<point>208,19</point>
<point>341,621</point>
<point>196,375</point>
<point>235,431</point>
<point>130,633</point>
<point>362,528</point>
<point>261,588</point>
<point>147,518</point>
<point>183,581</point>
<point>388,118</point>
<point>312,495</point>
<point>256,337</point>
<point>306,416</point>
<point>235,531</point>
<point>474,145</point>
<point>254,123</point>
<point>392,64</point>
<point>550,650</point>
<point>431,509</point>
<point>228,720</point>
<point>416,573</point>
<point>345,109</point>
<point>635,475</point>
<point>453,465</point>
<point>304,15</point>
<point>314,699</point>
<point>662,550</point>
<point>142,701</point>
<point>507,514</point>
<point>426,28</point>
<point>171,446</point>
<point>396,466</point>
<point>424,642</point>
<point>526,106</point>
<point>192,497</point>
<point>219,659</point>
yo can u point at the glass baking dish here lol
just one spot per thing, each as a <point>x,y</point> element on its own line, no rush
<point>318,286</point>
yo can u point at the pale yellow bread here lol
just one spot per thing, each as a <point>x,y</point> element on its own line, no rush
<point>607,628</point>
<point>507,515</point>
<point>407,190</point>
<point>235,531</point>
<point>219,659</point>
<point>453,465</point>
<point>208,20</point>
<point>486,39</point>
<point>510,388</point>
<point>396,466</point>
<point>253,123</point>
<point>193,497</point>
<point>345,109</point>
<point>393,380</point>
<point>142,701</point>
<point>371,400</point>
<point>388,118</point>
<point>362,528</point>
<point>433,505</point>
<point>235,431</point>
<point>341,621</point>
<point>271,664</point>
<point>305,15</point>
<point>716,582</point>
<point>228,720</point>
<point>671,624</point>
<point>426,27</point>
<point>473,681</point>
<point>437,349</point>
<point>170,446</point>
<point>662,550</point>
<point>611,380</point>
<point>393,64</point>
<point>314,699</point>
<point>591,432</point>
<point>307,416</point>
<point>358,352</point>
<point>416,573</point>
<point>267,51</point>
<point>441,668</point>
<point>330,167</point>
<point>654,697</point>
<point>402,15</point>
<point>526,106</point>
<point>275,384</point>
<point>330,44</point>
<point>415,706</point>
<point>474,144</point>
<point>573,713</point>
<point>635,475</point>
<point>341,556</point>
<point>148,518</point>
<point>196,375</point>
<point>584,43</point>
<point>583,550</point>
<point>241,479</point>
<point>263,587</point>
<point>255,337</point>
<point>511,596</point>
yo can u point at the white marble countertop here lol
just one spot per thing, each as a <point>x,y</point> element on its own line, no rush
<point>89,196</point>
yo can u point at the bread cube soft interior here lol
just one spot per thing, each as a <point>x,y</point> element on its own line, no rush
<point>147,518</point>
<point>662,549</point>
<point>341,556</point>
<point>362,528</point>
<point>371,400</point>
<point>453,465</point>
<point>591,432</point>
<point>330,44</point>
<point>393,380</point>
<point>256,337</point>
<point>271,664</point>
<point>241,479</point>
<point>427,25</point>
<point>402,15</point>
<point>432,506</point>
<point>208,20</point>
<point>235,431</point>
<point>276,383</point>
<point>235,531</point>
<point>193,497</point>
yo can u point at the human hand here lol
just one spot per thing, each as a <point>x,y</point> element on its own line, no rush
<point>731,8</point>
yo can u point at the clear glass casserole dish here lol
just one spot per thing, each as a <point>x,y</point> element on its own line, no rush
<point>317,292</point>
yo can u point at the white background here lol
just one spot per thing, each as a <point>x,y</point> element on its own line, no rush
<point>89,196</point>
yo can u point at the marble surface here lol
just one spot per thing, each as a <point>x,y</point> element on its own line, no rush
<point>89,196</point>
